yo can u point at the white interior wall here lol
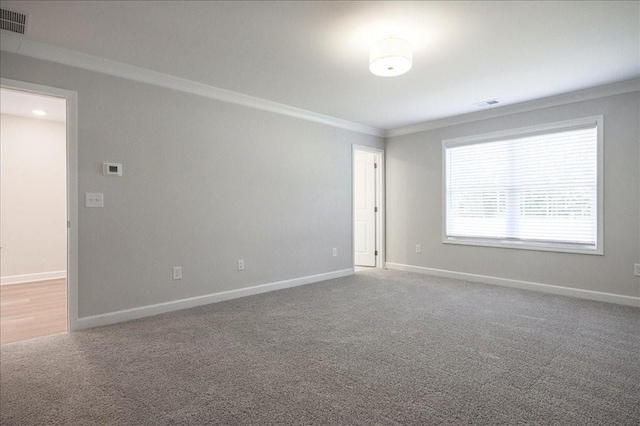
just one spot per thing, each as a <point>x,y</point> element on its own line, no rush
<point>414,204</point>
<point>33,190</point>
<point>205,183</point>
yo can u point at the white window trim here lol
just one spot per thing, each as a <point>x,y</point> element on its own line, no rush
<point>520,132</point>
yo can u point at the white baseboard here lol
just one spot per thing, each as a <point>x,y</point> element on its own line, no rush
<point>27,278</point>
<point>526,285</point>
<point>175,305</point>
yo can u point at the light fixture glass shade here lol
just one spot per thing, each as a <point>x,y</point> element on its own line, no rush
<point>390,57</point>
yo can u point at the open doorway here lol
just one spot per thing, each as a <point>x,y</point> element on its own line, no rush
<point>33,215</point>
<point>368,207</point>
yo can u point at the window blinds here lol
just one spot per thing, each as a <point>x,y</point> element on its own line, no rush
<point>539,188</point>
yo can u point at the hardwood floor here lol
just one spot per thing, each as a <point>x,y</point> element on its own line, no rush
<point>33,309</point>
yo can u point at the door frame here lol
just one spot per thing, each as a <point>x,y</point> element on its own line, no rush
<point>72,185</point>
<point>380,203</point>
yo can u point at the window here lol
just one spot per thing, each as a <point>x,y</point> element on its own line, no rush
<point>536,188</point>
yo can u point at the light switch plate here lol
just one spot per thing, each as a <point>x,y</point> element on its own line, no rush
<point>94,199</point>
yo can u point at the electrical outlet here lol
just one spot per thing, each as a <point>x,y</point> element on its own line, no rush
<point>636,269</point>
<point>335,252</point>
<point>418,248</point>
<point>177,272</point>
<point>240,265</point>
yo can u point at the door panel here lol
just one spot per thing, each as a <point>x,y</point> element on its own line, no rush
<point>364,209</point>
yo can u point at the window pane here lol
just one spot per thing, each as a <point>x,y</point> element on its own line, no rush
<point>536,188</point>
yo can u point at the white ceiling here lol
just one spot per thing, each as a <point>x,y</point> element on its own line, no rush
<point>314,55</point>
<point>22,104</point>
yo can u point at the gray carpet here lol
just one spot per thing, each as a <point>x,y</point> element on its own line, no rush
<point>379,347</point>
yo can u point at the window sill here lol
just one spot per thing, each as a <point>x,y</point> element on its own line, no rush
<point>526,245</point>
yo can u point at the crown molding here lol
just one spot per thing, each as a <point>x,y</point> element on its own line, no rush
<point>21,45</point>
<point>34,49</point>
<point>618,88</point>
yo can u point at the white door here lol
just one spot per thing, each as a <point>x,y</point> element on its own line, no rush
<point>364,194</point>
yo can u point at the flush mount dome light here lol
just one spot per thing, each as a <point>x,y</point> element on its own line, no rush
<point>39,112</point>
<point>390,57</point>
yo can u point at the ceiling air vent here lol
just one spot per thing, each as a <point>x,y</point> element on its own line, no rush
<point>13,21</point>
<point>490,102</point>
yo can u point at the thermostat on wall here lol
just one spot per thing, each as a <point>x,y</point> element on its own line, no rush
<point>112,169</point>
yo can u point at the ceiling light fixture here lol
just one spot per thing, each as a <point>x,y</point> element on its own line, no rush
<point>390,57</point>
<point>38,112</point>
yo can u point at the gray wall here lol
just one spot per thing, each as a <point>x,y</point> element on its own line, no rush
<point>414,204</point>
<point>205,183</point>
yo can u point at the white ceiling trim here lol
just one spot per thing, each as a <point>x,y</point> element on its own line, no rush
<point>19,44</point>
<point>618,88</point>
<point>23,46</point>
